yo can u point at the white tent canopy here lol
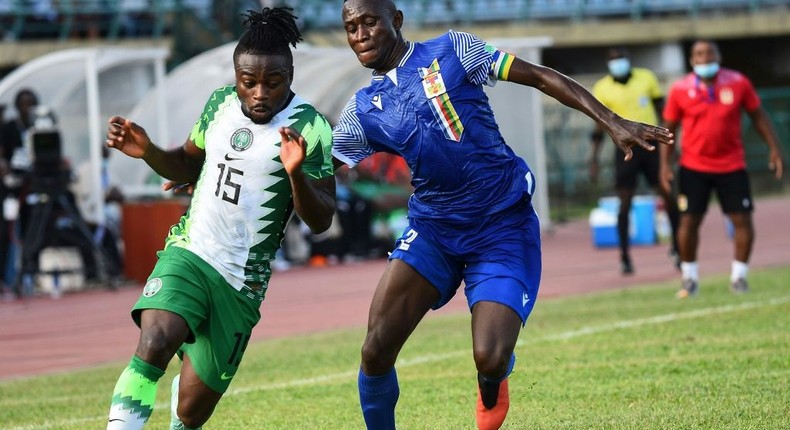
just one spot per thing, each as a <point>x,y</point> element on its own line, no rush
<point>83,87</point>
<point>328,77</point>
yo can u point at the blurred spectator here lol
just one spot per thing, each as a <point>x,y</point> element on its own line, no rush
<point>50,218</point>
<point>355,214</point>
<point>633,93</point>
<point>349,238</point>
<point>36,201</point>
<point>384,180</point>
<point>135,14</point>
<point>12,135</point>
<point>106,232</point>
<point>708,105</point>
<point>391,173</point>
<point>6,22</point>
<point>371,211</point>
<point>13,132</point>
<point>41,21</point>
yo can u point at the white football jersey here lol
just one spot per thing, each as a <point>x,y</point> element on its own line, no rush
<point>242,200</point>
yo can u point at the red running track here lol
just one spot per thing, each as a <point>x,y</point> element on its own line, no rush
<point>89,328</point>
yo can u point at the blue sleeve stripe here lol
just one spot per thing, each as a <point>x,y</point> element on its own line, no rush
<point>349,143</point>
<point>473,55</point>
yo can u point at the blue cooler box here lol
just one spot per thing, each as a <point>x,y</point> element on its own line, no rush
<point>603,225</point>
<point>643,220</point>
<point>603,221</point>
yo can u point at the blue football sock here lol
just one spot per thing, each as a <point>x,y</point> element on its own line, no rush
<point>378,396</point>
<point>510,366</point>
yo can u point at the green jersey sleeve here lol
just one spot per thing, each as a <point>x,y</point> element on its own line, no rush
<point>218,98</point>
<point>317,133</point>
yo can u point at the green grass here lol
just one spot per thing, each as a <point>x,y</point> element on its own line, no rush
<point>629,359</point>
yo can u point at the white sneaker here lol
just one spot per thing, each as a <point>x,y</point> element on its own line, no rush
<point>739,286</point>
<point>688,289</point>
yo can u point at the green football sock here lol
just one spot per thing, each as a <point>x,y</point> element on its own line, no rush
<point>134,395</point>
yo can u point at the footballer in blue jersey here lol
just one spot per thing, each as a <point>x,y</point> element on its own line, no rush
<point>432,111</point>
<point>471,218</point>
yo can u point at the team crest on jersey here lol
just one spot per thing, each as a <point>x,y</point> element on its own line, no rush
<point>432,81</point>
<point>152,287</point>
<point>683,203</point>
<point>726,96</point>
<point>441,106</point>
<point>241,139</point>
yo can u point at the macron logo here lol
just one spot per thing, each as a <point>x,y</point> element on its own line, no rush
<point>525,299</point>
<point>377,101</point>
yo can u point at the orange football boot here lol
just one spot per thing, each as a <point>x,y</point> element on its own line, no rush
<point>493,417</point>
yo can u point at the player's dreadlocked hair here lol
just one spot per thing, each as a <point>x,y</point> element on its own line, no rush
<point>270,31</point>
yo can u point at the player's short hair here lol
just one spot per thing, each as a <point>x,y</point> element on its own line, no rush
<point>272,31</point>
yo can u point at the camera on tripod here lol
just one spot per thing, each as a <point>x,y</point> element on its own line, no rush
<point>53,219</point>
<point>44,167</point>
<point>45,144</point>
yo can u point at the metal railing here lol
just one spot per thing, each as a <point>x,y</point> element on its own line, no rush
<point>106,19</point>
<point>111,19</point>
<point>326,13</point>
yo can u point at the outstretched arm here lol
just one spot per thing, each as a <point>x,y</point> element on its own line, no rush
<point>767,132</point>
<point>314,200</point>
<point>180,164</point>
<point>625,134</point>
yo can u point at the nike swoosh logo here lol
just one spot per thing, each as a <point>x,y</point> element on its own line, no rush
<point>524,299</point>
<point>225,376</point>
<point>116,419</point>
<point>229,158</point>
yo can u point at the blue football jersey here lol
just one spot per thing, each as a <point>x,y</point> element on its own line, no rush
<point>432,111</point>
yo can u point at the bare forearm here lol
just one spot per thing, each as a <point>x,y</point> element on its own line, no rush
<point>566,90</point>
<point>314,205</point>
<point>766,130</point>
<point>667,152</point>
<point>173,164</point>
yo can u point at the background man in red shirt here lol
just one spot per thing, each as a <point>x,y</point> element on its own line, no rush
<point>707,104</point>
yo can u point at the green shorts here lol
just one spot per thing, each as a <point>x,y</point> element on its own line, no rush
<point>219,317</point>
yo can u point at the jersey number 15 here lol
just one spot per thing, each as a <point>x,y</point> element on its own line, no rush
<point>227,173</point>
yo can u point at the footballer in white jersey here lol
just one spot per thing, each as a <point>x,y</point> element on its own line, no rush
<point>257,155</point>
<point>241,202</point>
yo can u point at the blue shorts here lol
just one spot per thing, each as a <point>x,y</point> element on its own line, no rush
<point>498,258</point>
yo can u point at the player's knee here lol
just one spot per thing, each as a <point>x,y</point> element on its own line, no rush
<point>376,359</point>
<point>491,362</point>
<point>155,348</point>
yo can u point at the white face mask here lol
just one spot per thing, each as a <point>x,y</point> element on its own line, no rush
<point>619,67</point>
<point>706,71</point>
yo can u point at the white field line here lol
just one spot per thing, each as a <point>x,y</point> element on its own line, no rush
<point>430,358</point>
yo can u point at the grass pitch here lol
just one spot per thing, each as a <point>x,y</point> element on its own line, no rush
<point>635,358</point>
